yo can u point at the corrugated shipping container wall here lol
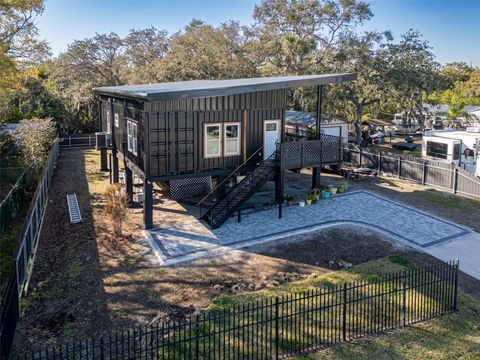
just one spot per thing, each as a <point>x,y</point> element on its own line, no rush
<point>176,137</point>
<point>257,100</point>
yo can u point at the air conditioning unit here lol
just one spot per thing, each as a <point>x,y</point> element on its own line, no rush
<point>138,197</point>
<point>102,140</point>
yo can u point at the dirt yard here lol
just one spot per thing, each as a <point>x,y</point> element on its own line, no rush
<point>85,284</point>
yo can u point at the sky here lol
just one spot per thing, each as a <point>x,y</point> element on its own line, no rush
<point>452,27</point>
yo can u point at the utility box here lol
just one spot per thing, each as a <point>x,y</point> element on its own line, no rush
<point>102,140</point>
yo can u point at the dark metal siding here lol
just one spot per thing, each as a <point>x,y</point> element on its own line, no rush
<point>177,139</point>
<point>126,110</point>
<point>170,134</point>
<point>257,100</point>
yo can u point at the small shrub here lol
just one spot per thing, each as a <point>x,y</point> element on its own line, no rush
<point>116,207</point>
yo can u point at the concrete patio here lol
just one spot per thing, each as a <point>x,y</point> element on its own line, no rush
<point>187,238</point>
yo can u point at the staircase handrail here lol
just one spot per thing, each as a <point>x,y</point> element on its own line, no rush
<point>228,177</point>
<point>273,156</point>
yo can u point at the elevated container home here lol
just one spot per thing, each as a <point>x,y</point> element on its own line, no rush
<point>187,132</point>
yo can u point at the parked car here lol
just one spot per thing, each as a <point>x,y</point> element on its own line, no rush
<point>404,146</point>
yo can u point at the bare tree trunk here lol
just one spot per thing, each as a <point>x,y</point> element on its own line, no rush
<point>358,123</point>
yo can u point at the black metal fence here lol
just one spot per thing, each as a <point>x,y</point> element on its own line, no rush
<point>77,140</point>
<point>11,204</point>
<point>426,172</point>
<point>283,326</point>
<point>10,304</point>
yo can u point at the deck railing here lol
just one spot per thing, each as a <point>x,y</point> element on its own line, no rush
<point>301,152</point>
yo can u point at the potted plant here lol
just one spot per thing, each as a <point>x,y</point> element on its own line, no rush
<point>301,202</point>
<point>326,194</point>
<point>290,200</point>
<point>333,189</point>
<point>315,197</point>
<point>342,186</point>
<point>309,199</point>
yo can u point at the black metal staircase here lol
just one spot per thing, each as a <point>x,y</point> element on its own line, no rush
<point>225,207</point>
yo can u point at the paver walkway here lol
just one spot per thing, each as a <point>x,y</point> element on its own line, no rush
<point>189,239</point>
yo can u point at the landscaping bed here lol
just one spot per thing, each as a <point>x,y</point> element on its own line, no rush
<point>85,283</point>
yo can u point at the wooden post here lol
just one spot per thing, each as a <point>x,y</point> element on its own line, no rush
<point>360,158</point>
<point>379,164</point>
<point>399,169</point>
<point>147,204</point>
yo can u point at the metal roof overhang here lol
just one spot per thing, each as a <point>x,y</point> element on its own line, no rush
<point>209,88</point>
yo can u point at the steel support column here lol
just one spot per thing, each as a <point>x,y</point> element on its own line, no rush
<point>317,170</point>
<point>147,204</point>
<point>279,185</point>
<point>103,160</point>
<point>129,183</point>
<point>115,166</point>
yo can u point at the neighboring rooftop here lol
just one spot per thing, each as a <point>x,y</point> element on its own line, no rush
<point>304,118</point>
<point>208,88</point>
<point>443,108</point>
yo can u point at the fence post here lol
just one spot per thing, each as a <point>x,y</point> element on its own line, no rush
<point>399,167</point>
<point>277,335</point>
<point>424,172</point>
<point>379,164</point>
<point>302,154</point>
<point>455,180</point>
<point>102,354</point>
<point>404,298</point>
<point>344,322</point>
<point>89,141</point>
<point>197,337</point>
<point>455,299</point>
<point>360,158</point>
<point>69,141</point>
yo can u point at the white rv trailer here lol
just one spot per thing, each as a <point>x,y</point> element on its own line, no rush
<point>459,147</point>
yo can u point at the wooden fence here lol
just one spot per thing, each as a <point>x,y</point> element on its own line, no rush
<point>24,254</point>
<point>283,326</point>
<point>439,174</point>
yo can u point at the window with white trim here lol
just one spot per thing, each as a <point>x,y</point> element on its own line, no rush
<point>115,117</point>
<point>132,137</point>
<point>109,124</point>
<point>213,140</point>
<point>231,139</point>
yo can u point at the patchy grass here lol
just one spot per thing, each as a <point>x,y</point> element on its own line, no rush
<point>371,271</point>
<point>455,336</point>
<point>449,200</point>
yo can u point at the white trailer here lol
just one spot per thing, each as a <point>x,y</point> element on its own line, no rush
<point>459,147</point>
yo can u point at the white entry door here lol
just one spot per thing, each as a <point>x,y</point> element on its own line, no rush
<point>271,134</point>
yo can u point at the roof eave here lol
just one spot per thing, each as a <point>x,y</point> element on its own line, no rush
<point>229,90</point>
